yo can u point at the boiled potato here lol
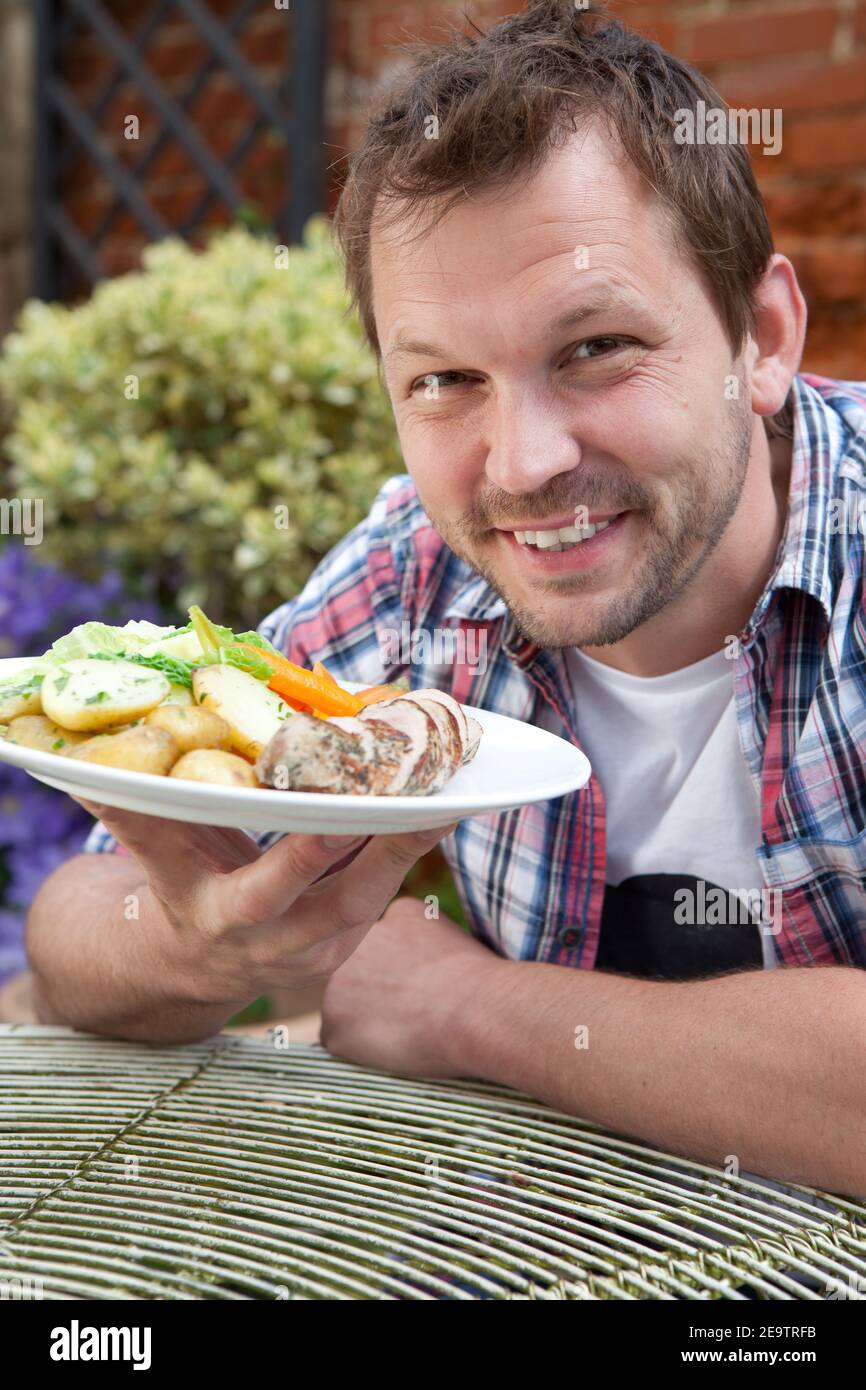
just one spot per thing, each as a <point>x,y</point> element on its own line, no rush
<point>13,706</point>
<point>215,766</point>
<point>142,749</point>
<point>252,711</point>
<point>191,727</point>
<point>91,695</point>
<point>36,731</point>
<point>179,695</point>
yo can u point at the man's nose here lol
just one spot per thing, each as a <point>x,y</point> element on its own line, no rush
<point>529,442</point>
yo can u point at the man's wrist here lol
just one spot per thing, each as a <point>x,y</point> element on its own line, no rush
<point>472,1032</point>
<point>190,978</point>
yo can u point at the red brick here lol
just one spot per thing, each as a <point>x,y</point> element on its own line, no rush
<point>653,21</point>
<point>179,57</point>
<point>221,99</point>
<point>119,255</point>
<point>822,86</point>
<point>825,143</point>
<point>810,210</point>
<point>830,271</point>
<point>747,35</point>
<point>176,201</point>
<point>836,344</point>
<point>860,24</point>
<point>266,45</point>
<point>87,211</point>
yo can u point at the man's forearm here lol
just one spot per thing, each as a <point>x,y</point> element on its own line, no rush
<point>97,944</point>
<point>765,1066</point>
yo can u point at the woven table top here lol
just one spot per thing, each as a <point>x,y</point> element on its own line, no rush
<point>239,1169</point>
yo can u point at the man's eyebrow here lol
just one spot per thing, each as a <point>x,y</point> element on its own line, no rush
<point>601,303</point>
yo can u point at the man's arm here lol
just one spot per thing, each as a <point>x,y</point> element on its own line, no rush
<point>97,968</point>
<point>167,944</point>
<point>767,1066</point>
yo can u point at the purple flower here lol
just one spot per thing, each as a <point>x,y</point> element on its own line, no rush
<point>40,827</point>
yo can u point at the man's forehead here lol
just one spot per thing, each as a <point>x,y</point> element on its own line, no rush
<point>585,208</point>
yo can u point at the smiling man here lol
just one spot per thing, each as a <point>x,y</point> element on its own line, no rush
<point>617,476</point>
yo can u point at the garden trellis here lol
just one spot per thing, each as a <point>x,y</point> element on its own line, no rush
<point>68,259</point>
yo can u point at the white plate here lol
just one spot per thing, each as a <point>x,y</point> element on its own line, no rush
<point>515,764</point>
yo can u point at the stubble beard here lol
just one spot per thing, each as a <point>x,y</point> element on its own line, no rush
<point>677,545</point>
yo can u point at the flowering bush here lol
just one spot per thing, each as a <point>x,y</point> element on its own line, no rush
<point>214,420</point>
<point>40,827</point>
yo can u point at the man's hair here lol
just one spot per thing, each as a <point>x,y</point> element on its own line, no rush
<point>504,99</point>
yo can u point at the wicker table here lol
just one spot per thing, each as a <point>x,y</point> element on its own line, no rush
<point>238,1169</point>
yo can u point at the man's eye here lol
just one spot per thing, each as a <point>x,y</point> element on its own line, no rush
<point>596,347</point>
<point>434,382</point>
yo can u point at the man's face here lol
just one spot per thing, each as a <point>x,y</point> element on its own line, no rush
<point>553,362</point>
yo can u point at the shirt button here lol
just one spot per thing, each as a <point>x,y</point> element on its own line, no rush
<point>570,936</point>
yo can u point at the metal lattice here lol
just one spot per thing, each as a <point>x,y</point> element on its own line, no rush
<point>74,143</point>
<point>233,1169</point>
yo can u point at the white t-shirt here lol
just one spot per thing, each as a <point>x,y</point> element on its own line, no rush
<point>679,798</point>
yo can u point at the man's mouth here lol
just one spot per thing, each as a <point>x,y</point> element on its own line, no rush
<point>566,537</point>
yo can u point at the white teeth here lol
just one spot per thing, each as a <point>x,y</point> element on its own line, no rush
<point>563,538</point>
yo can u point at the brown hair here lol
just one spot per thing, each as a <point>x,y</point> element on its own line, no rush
<point>505,98</point>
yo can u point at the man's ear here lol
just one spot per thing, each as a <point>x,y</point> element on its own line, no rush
<point>780,331</point>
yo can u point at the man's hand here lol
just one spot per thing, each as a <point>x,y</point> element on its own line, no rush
<point>169,943</point>
<point>392,1003</point>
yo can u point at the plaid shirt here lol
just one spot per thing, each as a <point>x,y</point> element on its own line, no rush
<point>532,880</point>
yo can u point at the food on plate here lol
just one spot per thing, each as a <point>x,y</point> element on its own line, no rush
<point>410,745</point>
<point>205,704</point>
<point>190,727</point>
<point>140,749</point>
<point>251,711</point>
<point>216,766</point>
<point>91,695</point>
<point>14,706</point>
<point>37,731</point>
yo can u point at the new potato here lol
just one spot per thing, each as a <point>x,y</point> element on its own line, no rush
<point>141,749</point>
<point>215,766</point>
<point>12,706</point>
<point>90,695</point>
<point>252,711</point>
<point>191,727</point>
<point>39,732</point>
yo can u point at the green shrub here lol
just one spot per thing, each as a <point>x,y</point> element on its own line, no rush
<point>258,400</point>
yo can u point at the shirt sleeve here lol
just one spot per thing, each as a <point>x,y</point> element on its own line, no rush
<point>349,605</point>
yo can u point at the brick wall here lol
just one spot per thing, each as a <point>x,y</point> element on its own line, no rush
<point>807,58</point>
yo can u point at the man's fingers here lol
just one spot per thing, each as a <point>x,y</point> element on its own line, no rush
<point>266,889</point>
<point>360,895</point>
<point>174,854</point>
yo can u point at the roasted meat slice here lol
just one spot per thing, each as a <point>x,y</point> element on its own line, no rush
<point>420,726</point>
<point>409,746</point>
<point>332,755</point>
<point>442,707</point>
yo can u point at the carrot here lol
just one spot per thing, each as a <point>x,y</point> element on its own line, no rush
<point>323,672</point>
<point>293,682</point>
<point>374,693</point>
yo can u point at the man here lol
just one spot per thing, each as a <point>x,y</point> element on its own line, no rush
<point>619,482</point>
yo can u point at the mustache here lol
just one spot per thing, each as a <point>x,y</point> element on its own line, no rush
<point>599,492</point>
